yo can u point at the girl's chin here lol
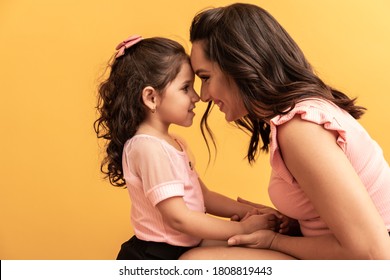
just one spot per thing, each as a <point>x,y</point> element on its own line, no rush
<point>187,124</point>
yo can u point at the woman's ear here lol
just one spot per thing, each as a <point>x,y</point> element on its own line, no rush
<point>149,97</point>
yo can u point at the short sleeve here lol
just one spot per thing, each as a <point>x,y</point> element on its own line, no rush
<point>316,111</point>
<point>152,163</point>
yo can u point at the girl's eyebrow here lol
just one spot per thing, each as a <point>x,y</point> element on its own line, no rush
<point>188,81</point>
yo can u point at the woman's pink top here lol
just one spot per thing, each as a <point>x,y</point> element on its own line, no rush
<point>154,171</point>
<point>363,152</point>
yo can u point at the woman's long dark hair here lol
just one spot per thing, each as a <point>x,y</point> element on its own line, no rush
<point>152,62</point>
<point>269,68</point>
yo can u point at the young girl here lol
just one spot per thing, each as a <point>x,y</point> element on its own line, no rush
<point>150,87</point>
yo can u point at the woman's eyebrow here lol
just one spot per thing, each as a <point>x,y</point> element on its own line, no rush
<point>199,71</point>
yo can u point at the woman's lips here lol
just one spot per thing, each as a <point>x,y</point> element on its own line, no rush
<point>219,104</point>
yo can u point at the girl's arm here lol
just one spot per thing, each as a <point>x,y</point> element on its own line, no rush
<point>337,193</point>
<point>222,206</point>
<point>177,215</point>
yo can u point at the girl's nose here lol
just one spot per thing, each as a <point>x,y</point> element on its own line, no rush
<point>195,97</point>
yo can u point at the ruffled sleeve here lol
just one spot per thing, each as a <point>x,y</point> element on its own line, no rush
<point>313,110</point>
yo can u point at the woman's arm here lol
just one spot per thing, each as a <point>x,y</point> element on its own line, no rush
<point>337,193</point>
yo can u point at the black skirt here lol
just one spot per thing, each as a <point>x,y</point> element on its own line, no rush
<point>137,249</point>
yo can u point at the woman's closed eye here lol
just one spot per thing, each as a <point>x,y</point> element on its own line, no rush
<point>204,78</point>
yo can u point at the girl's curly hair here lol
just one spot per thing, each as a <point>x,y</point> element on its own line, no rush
<point>151,62</point>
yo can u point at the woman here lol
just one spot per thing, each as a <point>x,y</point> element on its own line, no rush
<point>327,173</point>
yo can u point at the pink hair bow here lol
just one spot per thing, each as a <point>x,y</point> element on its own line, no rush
<point>132,40</point>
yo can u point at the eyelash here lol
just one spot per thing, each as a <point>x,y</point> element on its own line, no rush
<point>204,78</point>
<point>186,88</point>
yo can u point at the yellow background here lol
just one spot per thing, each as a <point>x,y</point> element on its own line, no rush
<point>54,203</point>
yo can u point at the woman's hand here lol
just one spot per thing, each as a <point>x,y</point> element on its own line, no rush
<point>261,239</point>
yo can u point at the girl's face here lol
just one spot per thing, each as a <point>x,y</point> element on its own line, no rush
<point>216,85</point>
<point>179,98</point>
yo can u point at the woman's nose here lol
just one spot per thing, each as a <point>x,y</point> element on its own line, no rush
<point>204,96</point>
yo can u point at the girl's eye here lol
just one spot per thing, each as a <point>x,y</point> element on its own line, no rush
<point>186,88</point>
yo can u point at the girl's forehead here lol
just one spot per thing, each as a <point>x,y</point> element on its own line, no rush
<point>185,73</point>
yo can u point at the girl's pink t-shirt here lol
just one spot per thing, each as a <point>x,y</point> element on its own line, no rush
<point>154,171</point>
<point>362,151</point>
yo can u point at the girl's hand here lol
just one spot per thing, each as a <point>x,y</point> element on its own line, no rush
<point>261,208</point>
<point>285,224</point>
<point>261,239</point>
<point>253,223</point>
<point>282,223</point>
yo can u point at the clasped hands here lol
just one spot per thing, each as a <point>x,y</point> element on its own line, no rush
<point>271,222</point>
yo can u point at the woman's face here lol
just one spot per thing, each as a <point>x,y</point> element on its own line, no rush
<point>216,85</point>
